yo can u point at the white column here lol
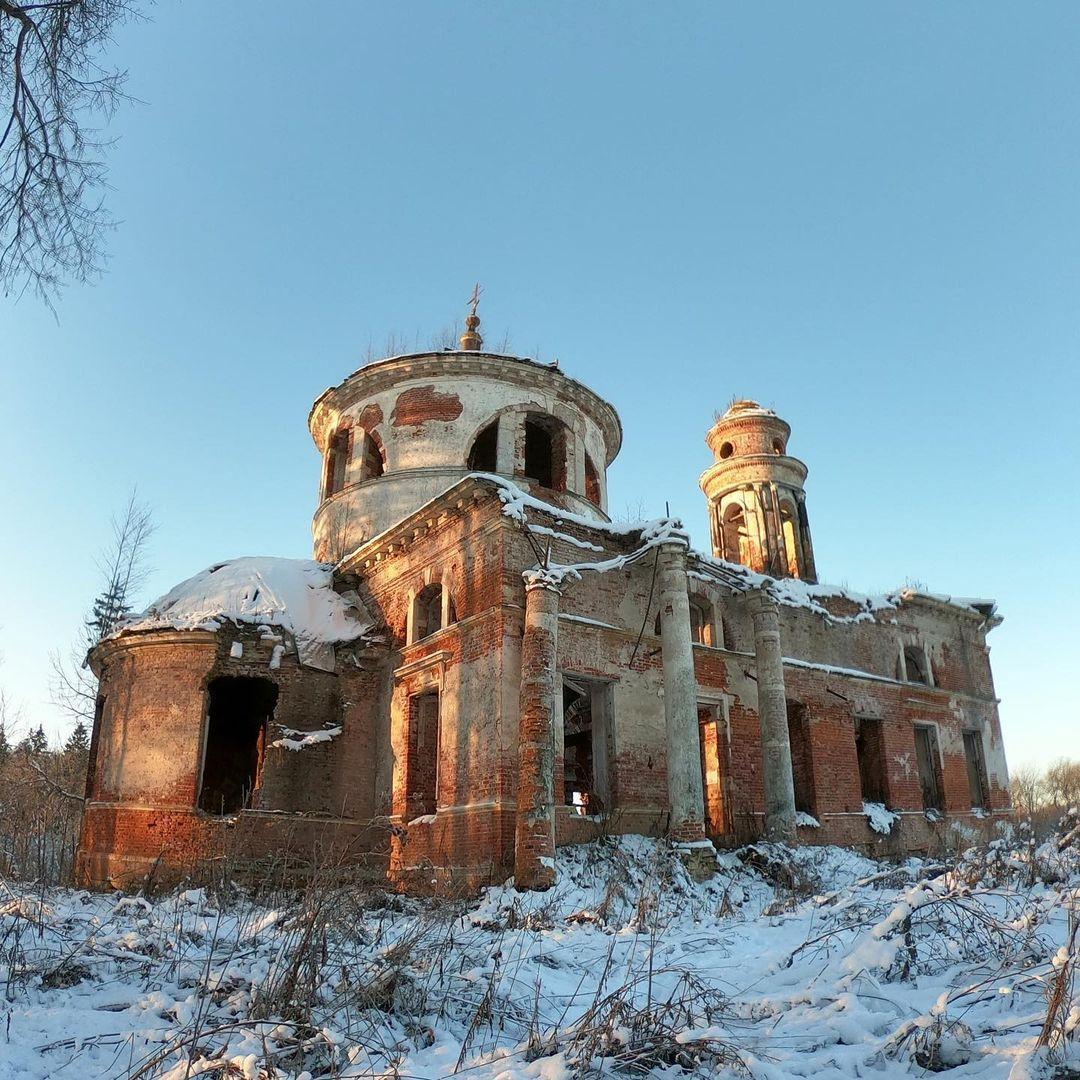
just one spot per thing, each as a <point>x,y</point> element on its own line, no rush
<point>685,796</point>
<point>772,715</point>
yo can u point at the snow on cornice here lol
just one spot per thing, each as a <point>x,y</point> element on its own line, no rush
<point>295,596</point>
<point>792,592</point>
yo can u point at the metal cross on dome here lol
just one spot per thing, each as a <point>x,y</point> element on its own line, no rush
<point>475,298</point>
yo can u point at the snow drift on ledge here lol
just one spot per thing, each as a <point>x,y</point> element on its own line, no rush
<point>292,595</point>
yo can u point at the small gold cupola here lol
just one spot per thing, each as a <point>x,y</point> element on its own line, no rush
<point>471,341</point>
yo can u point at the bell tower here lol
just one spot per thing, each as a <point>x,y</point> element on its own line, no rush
<point>757,505</point>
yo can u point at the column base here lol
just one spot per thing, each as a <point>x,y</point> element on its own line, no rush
<point>699,858</point>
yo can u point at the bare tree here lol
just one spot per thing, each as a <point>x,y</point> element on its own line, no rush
<point>123,571</point>
<point>1028,790</point>
<point>1062,781</point>
<point>52,221</point>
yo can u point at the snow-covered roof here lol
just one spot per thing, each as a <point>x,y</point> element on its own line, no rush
<point>295,596</point>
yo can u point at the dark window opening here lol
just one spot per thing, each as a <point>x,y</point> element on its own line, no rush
<point>726,450</point>
<point>586,712</point>
<point>915,669</point>
<point>427,612</point>
<point>337,461</point>
<point>483,457</point>
<point>422,755</point>
<point>239,716</point>
<point>545,452</point>
<point>729,635</point>
<point>926,753</point>
<point>802,765</point>
<point>976,768</point>
<point>701,627</point>
<point>592,482</point>
<point>95,733</point>
<point>371,464</point>
<point>713,768</point>
<point>870,750</point>
<point>777,446</point>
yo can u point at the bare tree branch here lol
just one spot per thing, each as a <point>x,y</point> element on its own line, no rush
<point>52,222</point>
<point>123,570</point>
<point>52,785</point>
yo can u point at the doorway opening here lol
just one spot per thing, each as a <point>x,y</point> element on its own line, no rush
<point>238,719</point>
<point>587,725</point>
<point>714,756</point>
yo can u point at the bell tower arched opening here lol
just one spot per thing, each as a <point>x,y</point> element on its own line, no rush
<point>545,451</point>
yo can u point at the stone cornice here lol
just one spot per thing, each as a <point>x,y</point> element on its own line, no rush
<point>134,639</point>
<point>762,467</point>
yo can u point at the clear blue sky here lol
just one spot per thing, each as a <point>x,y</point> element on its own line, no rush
<point>863,215</point>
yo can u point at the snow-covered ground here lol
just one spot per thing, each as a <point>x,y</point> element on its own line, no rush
<point>813,962</point>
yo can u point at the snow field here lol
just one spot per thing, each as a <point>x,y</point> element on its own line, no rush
<point>808,962</point>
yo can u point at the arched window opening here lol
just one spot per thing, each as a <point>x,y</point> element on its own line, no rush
<point>792,547</point>
<point>777,446</point>
<point>337,461</point>
<point>545,452</point>
<point>427,612</point>
<point>726,450</point>
<point>915,668</point>
<point>734,535</point>
<point>701,623</point>
<point>237,722</point>
<point>483,457</point>
<point>592,482</point>
<point>371,463</point>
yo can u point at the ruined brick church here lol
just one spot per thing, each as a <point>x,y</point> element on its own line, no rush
<point>479,666</point>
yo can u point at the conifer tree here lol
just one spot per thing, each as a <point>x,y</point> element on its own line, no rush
<point>78,742</point>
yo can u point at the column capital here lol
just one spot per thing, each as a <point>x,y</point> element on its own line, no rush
<point>542,580</point>
<point>761,601</point>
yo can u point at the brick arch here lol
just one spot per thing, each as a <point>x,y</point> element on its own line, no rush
<point>369,468</point>
<point>337,456</point>
<point>433,602</point>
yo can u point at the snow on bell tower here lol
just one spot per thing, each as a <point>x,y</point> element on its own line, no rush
<point>757,505</point>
